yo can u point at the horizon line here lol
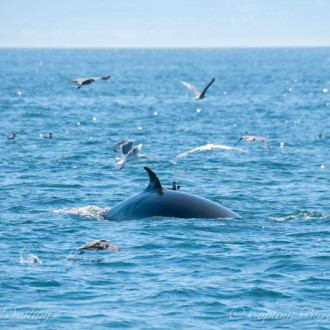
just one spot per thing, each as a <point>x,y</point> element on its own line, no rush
<point>162,47</point>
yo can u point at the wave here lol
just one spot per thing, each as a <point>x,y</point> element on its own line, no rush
<point>302,215</point>
<point>90,211</point>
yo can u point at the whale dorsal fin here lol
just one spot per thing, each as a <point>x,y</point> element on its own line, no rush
<point>154,183</point>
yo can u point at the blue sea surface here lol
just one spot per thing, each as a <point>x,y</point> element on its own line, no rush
<point>270,269</point>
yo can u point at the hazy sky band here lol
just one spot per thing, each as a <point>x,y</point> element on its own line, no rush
<point>152,23</point>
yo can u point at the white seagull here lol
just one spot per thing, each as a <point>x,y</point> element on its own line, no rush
<point>209,147</point>
<point>198,95</point>
<point>253,138</point>
<point>129,154</point>
<point>87,81</point>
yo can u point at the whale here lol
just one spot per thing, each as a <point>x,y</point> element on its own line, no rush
<point>157,201</point>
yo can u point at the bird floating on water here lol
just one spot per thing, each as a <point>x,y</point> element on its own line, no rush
<point>12,137</point>
<point>98,245</point>
<point>319,136</point>
<point>209,147</point>
<point>87,81</point>
<point>50,136</point>
<point>198,95</point>
<point>129,154</point>
<point>253,138</point>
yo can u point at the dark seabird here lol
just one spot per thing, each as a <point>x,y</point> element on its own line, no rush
<point>87,81</point>
<point>129,154</point>
<point>253,138</point>
<point>50,136</point>
<point>198,95</point>
<point>319,136</point>
<point>174,186</point>
<point>98,245</point>
<point>12,137</point>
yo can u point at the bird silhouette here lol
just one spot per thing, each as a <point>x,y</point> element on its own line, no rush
<point>87,81</point>
<point>198,95</point>
<point>253,138</point>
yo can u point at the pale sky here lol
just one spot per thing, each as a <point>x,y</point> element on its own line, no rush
<point>164,23</point>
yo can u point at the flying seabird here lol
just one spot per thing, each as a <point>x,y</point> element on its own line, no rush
<point>198,95</point>
<point>209,147</point>
<point>100,244</point>
<point>129,154</point>
<point>12,137</point>
<point>253,138</point>
<point>87,81</point>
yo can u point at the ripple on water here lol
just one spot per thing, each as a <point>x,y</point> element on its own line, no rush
<point>302,215</point>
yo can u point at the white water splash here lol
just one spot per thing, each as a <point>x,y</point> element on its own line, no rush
<point>72,256</point>
<point>305,215</point>
<point>29,258</point>
<point>90,211</point>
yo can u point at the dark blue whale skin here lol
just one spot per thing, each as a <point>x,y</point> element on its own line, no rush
<point>156,201</point>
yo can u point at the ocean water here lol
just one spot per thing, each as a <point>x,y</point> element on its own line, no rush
<point>270,269</point>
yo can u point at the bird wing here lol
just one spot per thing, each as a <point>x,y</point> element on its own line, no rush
<point>118,144</point>
<point>197,93</point>
<point>78,80</point>
<point>98,78</point>
<point>86,246</point>
<point>220,146</point>
<point>205,89</point>
<point>239,140</point>
<point>209,147</point>
<point>125,146</point>
<point>135,151</point>
<point>263,140</point>
<point>201,148</point>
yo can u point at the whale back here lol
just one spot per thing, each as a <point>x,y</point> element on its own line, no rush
<point>157,201</point>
